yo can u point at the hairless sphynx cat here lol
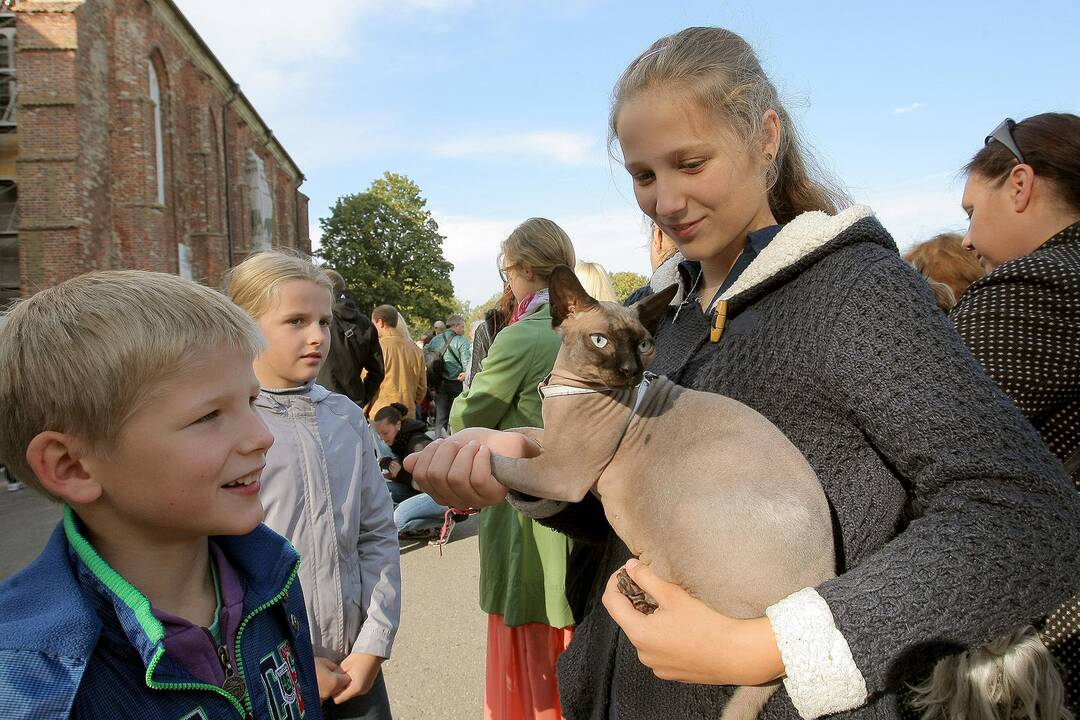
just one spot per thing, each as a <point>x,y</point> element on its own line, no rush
<point>701,487</point>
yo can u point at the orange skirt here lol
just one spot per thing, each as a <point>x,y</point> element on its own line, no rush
<point>521,681</point>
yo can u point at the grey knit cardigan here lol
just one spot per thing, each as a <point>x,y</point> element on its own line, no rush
<point>953,521</point>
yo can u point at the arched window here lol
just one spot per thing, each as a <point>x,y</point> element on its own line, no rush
<point>159,152</point>
<point>261,202</point>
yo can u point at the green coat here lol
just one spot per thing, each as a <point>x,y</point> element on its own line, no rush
<point>522,564</point>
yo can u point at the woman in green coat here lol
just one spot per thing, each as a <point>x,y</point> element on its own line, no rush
<point>522,564</point>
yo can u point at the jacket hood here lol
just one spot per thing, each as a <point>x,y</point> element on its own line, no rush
<point>801,243</point>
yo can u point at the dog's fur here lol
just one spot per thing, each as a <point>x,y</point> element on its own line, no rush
<point>711,494</point>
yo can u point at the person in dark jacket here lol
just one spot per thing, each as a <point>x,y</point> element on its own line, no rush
<point>495,320</point>
<point>810,317</point>
<point>1022,321</point>
<point>416,515</point>
<point>354,364</point>
<point>404,436</point>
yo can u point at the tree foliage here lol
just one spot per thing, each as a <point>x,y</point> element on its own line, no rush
<point>387,246</point>
<point>626,283</point>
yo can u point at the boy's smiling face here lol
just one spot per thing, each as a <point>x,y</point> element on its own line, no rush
<point>187,462</point>
<point>297,332</point>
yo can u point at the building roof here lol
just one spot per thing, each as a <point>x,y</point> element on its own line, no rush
<point>209,62</point>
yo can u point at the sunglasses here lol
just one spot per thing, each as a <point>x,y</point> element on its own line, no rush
<point>1003,134</point>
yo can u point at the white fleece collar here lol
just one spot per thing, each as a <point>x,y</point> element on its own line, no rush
<point>799,238</point>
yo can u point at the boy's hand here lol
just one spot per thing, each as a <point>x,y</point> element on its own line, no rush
<point>361,669</point>
<point>331,678</point>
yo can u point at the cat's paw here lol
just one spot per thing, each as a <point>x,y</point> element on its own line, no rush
<point>641,600</point>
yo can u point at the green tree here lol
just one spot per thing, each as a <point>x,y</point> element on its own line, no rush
<point>626,283</point>
<point>387,246</point>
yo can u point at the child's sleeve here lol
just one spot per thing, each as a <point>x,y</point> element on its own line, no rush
<point>380,560</point>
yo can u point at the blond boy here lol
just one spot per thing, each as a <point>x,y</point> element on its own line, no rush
<point>127,396</point>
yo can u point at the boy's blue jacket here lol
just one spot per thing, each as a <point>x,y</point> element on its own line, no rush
<point>77,640</point>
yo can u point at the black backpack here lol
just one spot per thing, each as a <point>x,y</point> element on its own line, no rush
<point>352,350</point>
<point>436,364</point>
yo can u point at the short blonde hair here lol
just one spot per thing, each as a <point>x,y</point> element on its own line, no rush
<point>253,283</point>
<point>80,358</point>
<point>595,280</point>
<point>538,244</point>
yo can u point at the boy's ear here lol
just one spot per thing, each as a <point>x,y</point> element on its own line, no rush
<point>58,460</point>
<point>651,309</point>
<point>566,295</point>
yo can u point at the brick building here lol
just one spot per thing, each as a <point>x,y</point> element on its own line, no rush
<point>134,148</point>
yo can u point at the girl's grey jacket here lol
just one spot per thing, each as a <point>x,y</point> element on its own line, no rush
<point>322,489</point>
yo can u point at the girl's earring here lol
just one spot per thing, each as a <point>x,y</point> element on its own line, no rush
<point>768,156</point>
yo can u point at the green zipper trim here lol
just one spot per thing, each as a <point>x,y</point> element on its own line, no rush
<point>243,624</point>
<point>128,593</point>
<point>155,685</point>
<point>150,625</point>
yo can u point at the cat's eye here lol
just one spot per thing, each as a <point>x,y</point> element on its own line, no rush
<point>645,346</point>
<point>599,340</point>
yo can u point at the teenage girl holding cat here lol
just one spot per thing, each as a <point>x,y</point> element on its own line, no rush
<point>953,523</point>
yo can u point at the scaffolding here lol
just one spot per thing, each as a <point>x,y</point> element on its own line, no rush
<point>9,209</point>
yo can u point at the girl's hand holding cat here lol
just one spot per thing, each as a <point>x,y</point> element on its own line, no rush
<point>687,641</point>
<point>456,472</point>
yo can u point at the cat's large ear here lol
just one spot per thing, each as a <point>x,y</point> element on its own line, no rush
<point>566,295</point>
<point>651,309</point>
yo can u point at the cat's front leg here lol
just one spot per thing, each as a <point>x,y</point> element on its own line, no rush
<point>542,476</point>
<point>534,434</point>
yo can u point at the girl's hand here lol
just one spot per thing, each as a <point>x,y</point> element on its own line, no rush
<point>330,677</point>
<point>456,471</point>
<point>687,641</point>
<point>361,669</point>
<point>393,469</point>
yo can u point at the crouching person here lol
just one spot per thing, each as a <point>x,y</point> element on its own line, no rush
<point>127,396</point>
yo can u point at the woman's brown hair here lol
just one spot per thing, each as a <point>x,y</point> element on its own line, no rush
<point>718,71</point>
<point>1050,144</point>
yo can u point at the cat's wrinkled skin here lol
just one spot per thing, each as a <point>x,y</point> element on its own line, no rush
<point>704,489</point>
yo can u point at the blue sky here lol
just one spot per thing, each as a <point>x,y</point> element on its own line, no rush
<point>498,109</point>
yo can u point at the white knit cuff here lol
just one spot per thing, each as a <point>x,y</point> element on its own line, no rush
<point>535,508</point>
<point>822,677</point>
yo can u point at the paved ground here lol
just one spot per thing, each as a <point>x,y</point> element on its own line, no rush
<point>438,666</point>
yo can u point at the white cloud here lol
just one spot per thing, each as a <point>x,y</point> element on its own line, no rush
<point>614,238</point>
<point>563,147</point>
<point>909,108</point>
<point>917,209</point>
<point>276,49</point>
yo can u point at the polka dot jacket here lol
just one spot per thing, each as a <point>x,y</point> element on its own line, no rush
<point>1022,322</point>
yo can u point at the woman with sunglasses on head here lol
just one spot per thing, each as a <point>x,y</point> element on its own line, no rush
<point>953,524</point>
<point>1022,321</point>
